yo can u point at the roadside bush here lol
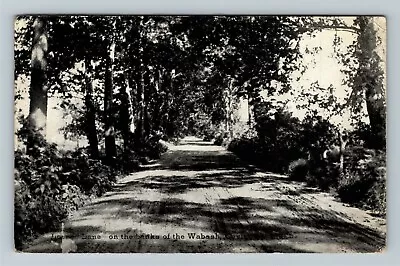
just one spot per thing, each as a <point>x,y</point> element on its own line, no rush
<point>50,184</point>
<point>376,197</point>
<point>128,161</point>
<point>92,176</point>
<point>209,132</point>
<point>246,147</point>
<point>41,200</point>
<point>154,148</point>
<point>151,147</point>
<point>364,181</point>
<point>274,142</point>
<point>324,175</point>
<point>221,138</point>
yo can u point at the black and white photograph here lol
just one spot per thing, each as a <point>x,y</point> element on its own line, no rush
<point>199,134</point>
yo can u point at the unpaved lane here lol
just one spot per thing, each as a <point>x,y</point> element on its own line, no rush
<point>203,199</point>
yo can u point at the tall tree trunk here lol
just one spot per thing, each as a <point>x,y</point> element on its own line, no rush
<point>167,102</point>
<point>126,114</point>
<point>377,117</point>
<point>38,88</point>
<point>229,108</point>
<point>146,100</point>
<point>227,111</point>
<point>342,148</point>
<point>134,103</point>
<point>110,147</point>
<point>139,133</point>
<point>157,110</point>
<point>91,131</point>
<point>250,111</point>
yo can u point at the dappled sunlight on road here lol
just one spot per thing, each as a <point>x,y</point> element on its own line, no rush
<point>201,198</point>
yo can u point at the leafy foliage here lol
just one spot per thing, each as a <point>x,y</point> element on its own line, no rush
<point>364,182</point>
<point>280,138</point>
<point>49,185</point>
<point>298,170</point>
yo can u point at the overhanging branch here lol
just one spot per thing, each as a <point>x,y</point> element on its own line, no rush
<point>350,29</point>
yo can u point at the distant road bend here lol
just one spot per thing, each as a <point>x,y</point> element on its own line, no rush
<point>201,198</point>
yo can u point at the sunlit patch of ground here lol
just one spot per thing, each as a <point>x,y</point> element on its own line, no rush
<point>201,198</point>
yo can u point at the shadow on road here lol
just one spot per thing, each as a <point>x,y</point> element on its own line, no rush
<point>204,190</point>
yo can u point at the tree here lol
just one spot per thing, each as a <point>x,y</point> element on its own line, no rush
<point>368,79</point>
<point>38,88</point>
<point>362,65</point>
<point>109,131</point>
<point>81,37</point>
<point>90,123</point>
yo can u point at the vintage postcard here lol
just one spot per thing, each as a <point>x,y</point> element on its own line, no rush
<point>200,134</point>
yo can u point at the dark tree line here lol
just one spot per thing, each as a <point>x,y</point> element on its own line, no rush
<point>129,81</point>
<point>154,71</point>
<point>160,75</point>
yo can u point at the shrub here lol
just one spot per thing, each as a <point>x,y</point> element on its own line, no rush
<point>274,142</point>
<point>298,170</point>
<point>49,185</point>
<point>41,200</point>
<point>376,197</point>
<point>323,174</point>
<point>92,176</point>
<point>128,161</point>
<point>154,148</point>
<point>245,147</point>
<point>209,133</point>
<point>150,147</point>
<point>221,138</point>
<point>364,182</point>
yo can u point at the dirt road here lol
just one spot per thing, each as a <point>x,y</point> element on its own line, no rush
<point>201,198</point>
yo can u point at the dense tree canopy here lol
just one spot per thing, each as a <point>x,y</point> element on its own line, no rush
<point>167,62</point>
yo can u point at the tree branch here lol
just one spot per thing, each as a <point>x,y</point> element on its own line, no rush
<point>350,29</point>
